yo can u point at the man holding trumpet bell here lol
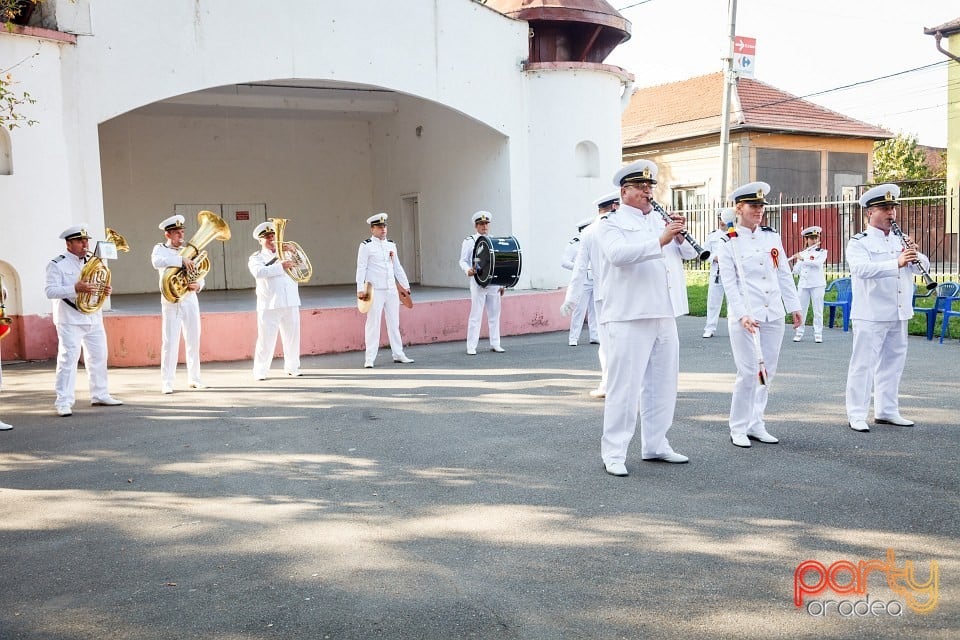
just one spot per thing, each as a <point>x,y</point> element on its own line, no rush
<point>883,263</point>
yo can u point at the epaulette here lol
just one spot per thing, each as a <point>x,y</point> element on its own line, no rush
<point>762,228</point>
<point>367,240</point>
<point>59,258</point>
<point>725,238</point>
<point>255,253</point>
<point>858,236</point>
<point>819,248</point>
<point>575,240</point>
<point>390,241</point>
<point>468,238</point>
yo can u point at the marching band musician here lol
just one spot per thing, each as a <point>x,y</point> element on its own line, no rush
<point>583,267</point>
<point>183,314</point>
<point>882,268</point>
<point>76,330</point>
<point>278,305</point>
<point>812,282</point>
<point>714,284</point>
<point>3,425</point>
<point>757,301</point>
<point>643,290</point>
<point>379,264</point>
<point>480,297</point>
<point>585,306</point>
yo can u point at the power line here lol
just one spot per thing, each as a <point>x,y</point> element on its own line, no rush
<point>635,4</point>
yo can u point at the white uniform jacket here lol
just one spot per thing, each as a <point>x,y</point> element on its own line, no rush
<point>639,278</point>
<point>588,255</point>
<point>62,274</point>
<point>570,253</point>
<point>809,266</point>
<point>275,289</point>
<point>466,252</point>
<point>882,291</point>
<point>165,256</point>
<point>379,264</point>
<point>767,280</point>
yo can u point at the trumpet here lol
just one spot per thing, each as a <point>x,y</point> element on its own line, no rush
<point>702,253</point>
<point>928,281</point>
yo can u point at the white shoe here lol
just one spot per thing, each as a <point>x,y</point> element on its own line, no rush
<point>572,343</point>
<point>740,440</point>
<point>4,426</point>
<point>859,425</point>
<point>763,436</point>
<point>165,390</point>
<point>594,341</point>
<point>598,393</point>
<point>471,352</point>
<point>497,349</point>
<point>616,469</point>
<point>818,338</point>
<point>368,365</point>
<point>708,334</point>
<point>64,410</point>
<point>403,360</point>
<point>259,377</point>
<point>797,337</point>
<point>673,457</point>
<point>109,401</point>
<point>295,374</point>
<point>197,385</point>
<point>897,421</point>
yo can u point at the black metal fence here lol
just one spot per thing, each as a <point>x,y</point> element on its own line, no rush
<point>927,219</point>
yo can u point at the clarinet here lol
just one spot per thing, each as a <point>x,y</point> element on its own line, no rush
<point>703,254</point>
<point>928,281</point>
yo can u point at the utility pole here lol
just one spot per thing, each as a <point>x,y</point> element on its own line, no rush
<point>728,80</point>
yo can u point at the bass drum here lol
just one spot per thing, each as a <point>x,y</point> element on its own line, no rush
<point>496,261</point>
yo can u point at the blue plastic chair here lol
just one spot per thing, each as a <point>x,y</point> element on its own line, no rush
<point>843,302</point>
<point>948,312</point>
<point>943,292</point>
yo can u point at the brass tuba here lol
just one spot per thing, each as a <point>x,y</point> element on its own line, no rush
<point>289,250</point>
<point>175,280</point>
<point>96,273</point>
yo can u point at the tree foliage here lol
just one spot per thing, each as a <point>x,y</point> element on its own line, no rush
<point>902,160</point>
<point>13,12</point>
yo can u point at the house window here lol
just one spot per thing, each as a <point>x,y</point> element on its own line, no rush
<point>688,197</point>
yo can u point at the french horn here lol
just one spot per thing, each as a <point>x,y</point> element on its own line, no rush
<point>96,274</point>
<point>175,281</point>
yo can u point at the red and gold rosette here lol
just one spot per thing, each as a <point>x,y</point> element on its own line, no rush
<point>775,255</point>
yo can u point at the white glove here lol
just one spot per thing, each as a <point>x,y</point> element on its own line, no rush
<point>566,308</point>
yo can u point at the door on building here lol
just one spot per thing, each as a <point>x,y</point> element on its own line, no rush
<point>228,260</point>
<point>408,237</point>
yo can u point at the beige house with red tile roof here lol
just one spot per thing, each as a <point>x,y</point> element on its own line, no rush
<point>800,148</point>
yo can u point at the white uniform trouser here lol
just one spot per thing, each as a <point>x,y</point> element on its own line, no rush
<point>643,368</point>
<point>586,308</point>
<point>814,295</point>
<point>385,301</point>
<point>92,340</point>
<point>481,297</point>
<point>876,364</point>
<point>714,302</point>
<point>602,350</point>
<point>186,315</point>
<point>749,396</point>
<point>286,321</point>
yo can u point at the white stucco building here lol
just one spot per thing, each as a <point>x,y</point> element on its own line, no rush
<point>321,112</point>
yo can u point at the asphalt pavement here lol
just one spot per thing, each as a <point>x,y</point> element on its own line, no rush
<point>464,497</point>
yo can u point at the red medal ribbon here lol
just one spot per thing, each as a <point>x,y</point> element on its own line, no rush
<point>776,257</point>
